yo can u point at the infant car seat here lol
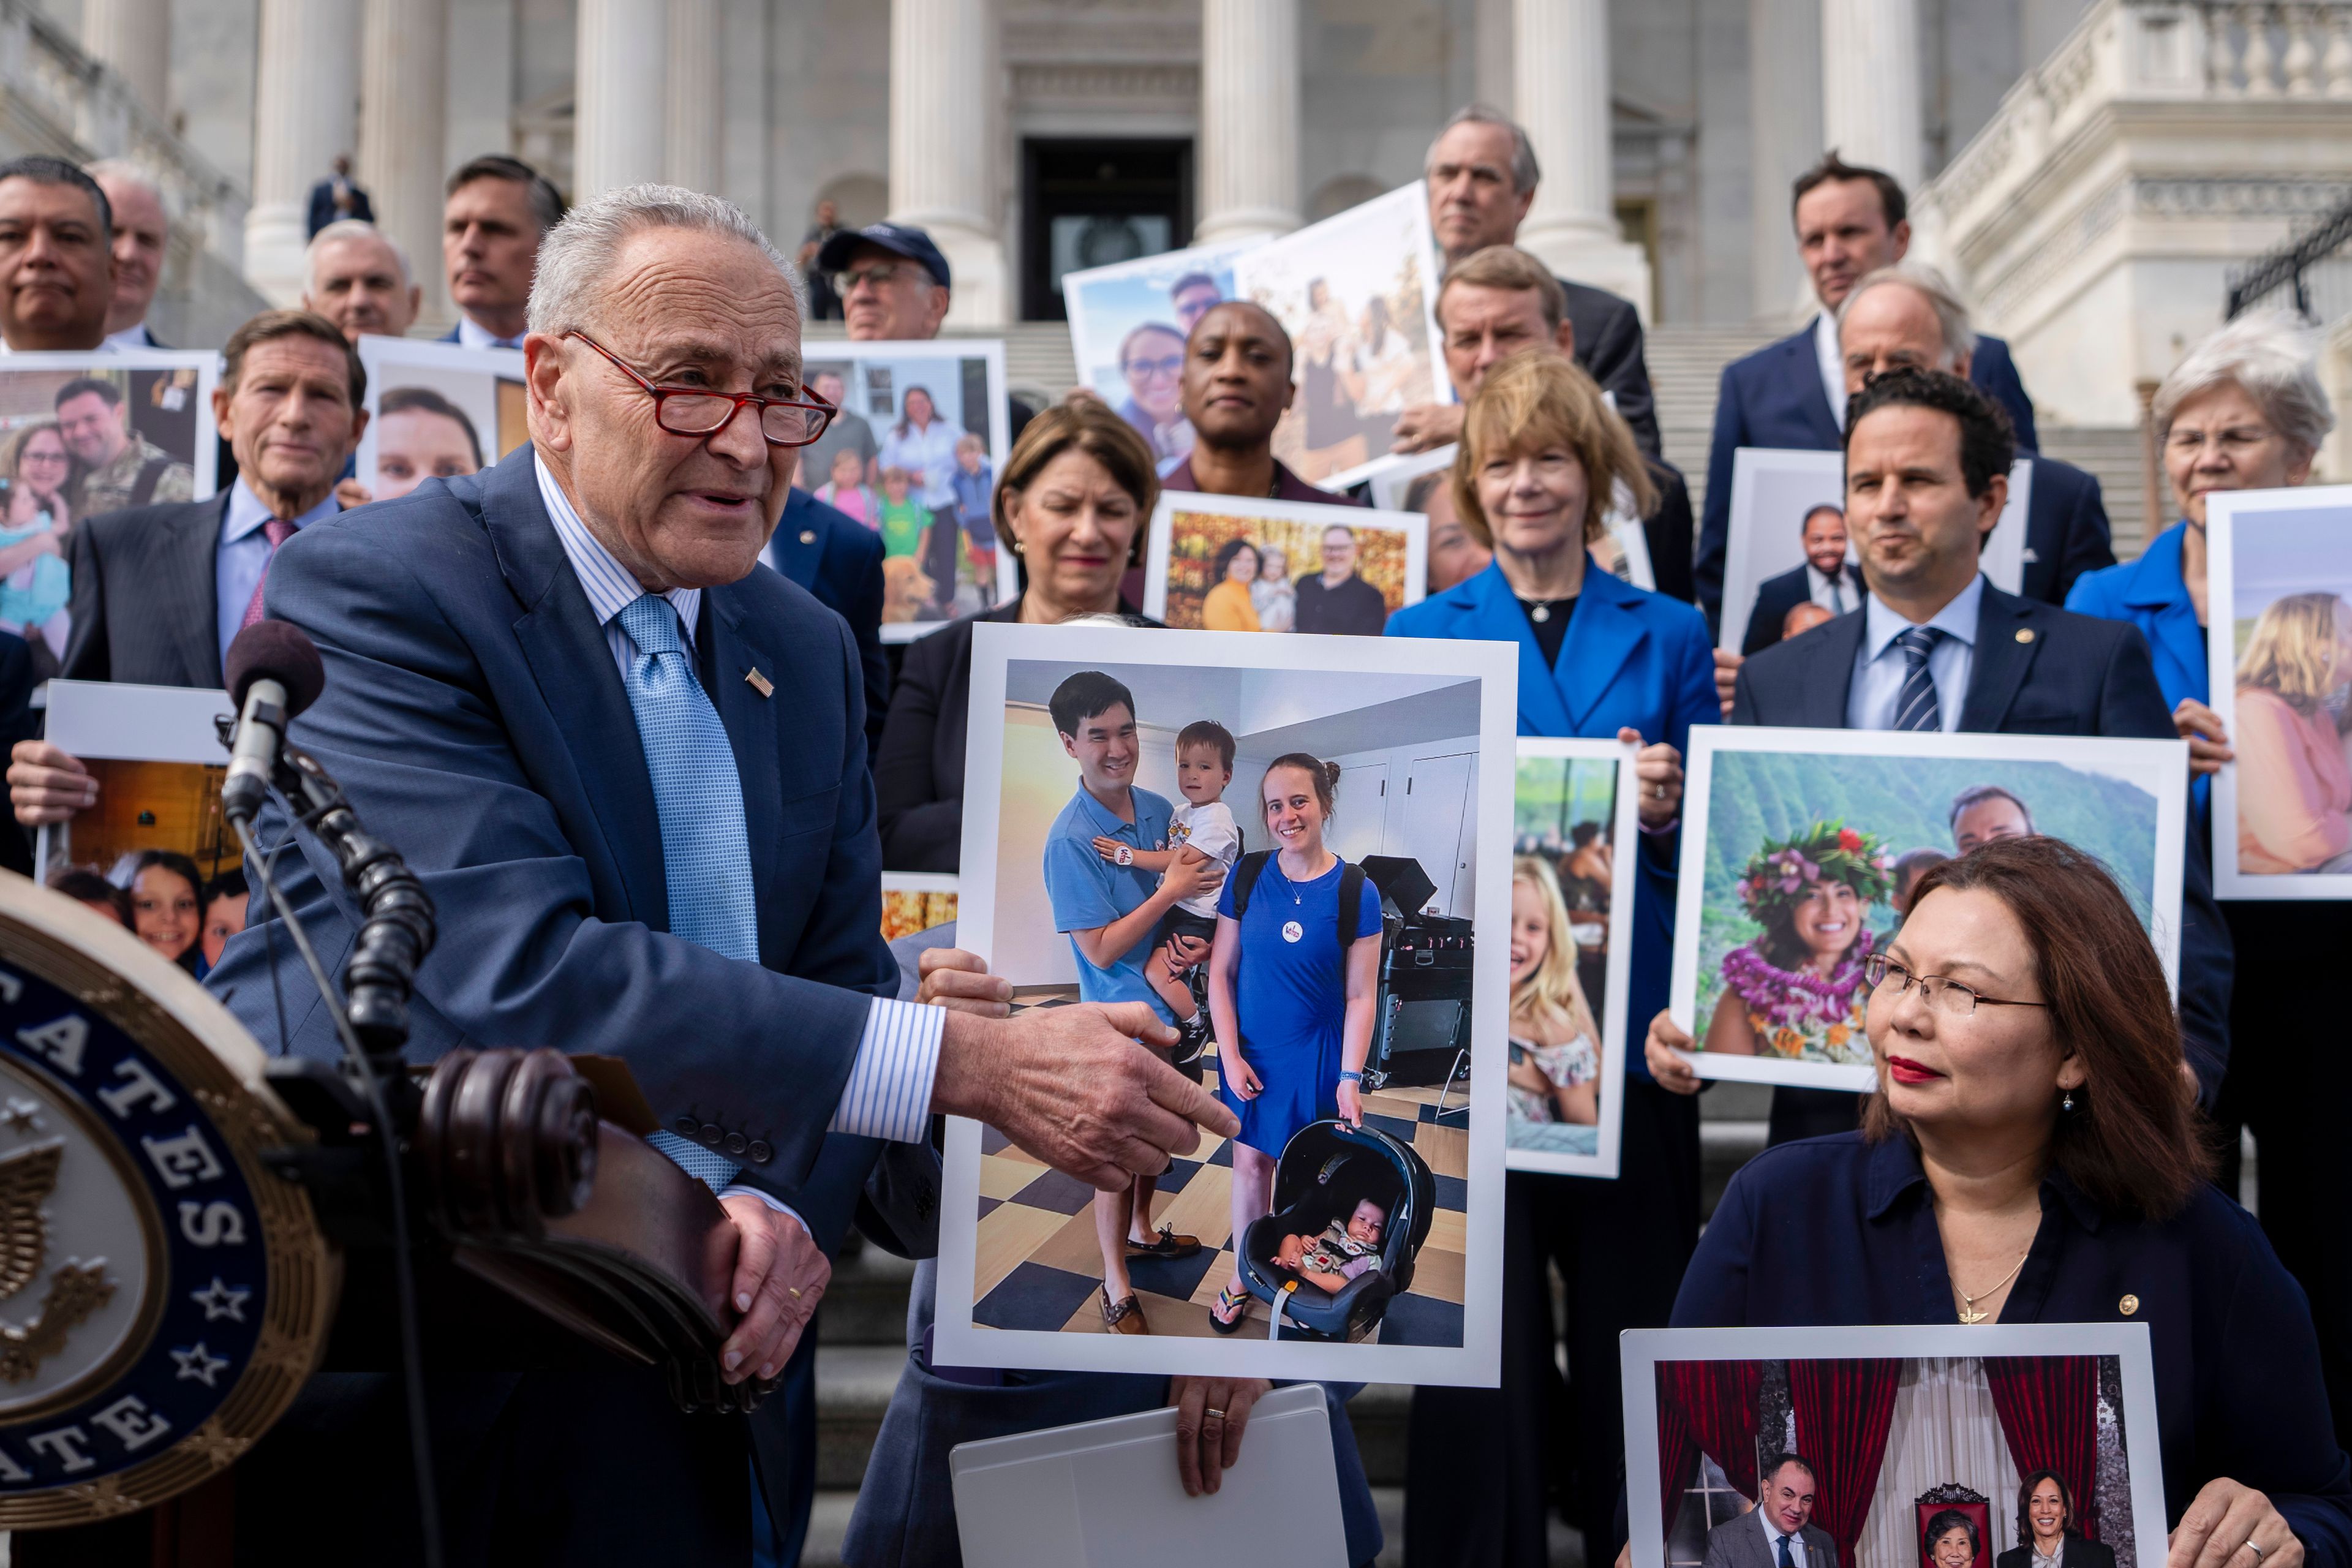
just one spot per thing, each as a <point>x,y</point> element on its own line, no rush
<point>1324,1171</point>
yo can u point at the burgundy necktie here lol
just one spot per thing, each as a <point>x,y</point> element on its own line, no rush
<point>279,531</point>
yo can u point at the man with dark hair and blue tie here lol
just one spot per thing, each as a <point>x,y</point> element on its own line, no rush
<point>629,766</point>
<point>1784,1509</point>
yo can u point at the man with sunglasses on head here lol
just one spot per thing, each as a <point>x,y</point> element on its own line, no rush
<point>629,766</point>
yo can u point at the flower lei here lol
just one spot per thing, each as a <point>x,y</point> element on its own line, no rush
<point>1791,999</point>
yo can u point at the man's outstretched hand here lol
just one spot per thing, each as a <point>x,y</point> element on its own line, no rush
<point>1070,1085</point>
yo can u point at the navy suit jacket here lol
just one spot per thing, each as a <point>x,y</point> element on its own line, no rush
<point>18,722</point>
<point>323,206</point>
<point>839,560</point>
<point>1773,397</point>
<point>1834,1232</point>
<point>474,714</point>
<point>2075,675</point>
<point>1631,659</point>
<point>1776,596</point>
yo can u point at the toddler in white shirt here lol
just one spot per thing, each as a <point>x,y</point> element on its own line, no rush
<point>1201,826</point>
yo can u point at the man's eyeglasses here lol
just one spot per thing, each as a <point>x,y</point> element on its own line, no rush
<point>881,274</point>
<point>697,411</point>
<point>1943,996</point>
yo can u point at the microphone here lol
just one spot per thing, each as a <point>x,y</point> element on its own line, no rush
<point>274,672</point>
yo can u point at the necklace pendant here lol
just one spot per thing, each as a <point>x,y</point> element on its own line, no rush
<point>1540,613</point>
<point>1971,1316</point>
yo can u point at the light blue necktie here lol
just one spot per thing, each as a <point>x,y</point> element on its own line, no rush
<point>1914,705</point>
<point>706,848</point>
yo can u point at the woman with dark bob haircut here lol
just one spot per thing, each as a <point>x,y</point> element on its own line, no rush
<point>2031,1156</point>
<point>1950,1541</point>
<point>2046,1534</point>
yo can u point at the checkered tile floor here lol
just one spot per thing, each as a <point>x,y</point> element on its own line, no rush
<point>1038,1266</point>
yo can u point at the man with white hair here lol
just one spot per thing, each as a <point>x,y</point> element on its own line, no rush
<point>142,235</point>
<point>704,904</point>
<point>360,280</point>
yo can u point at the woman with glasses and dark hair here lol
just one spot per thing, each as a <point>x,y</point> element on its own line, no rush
<point>2047,1536</point>
<point>1151,360</point>
<point>2032,1156</point>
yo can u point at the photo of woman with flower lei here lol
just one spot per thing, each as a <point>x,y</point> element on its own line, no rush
<point>1796,992</point>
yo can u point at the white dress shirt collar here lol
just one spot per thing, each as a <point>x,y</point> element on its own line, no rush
<point>611,586</point>
<point>472,334</point>
<point>130,337</point>
<point>1834,595</point>
<point>1956,620</point>
<point>1772,1542</point>
<point>247,513</point>
<point>1833,363</point>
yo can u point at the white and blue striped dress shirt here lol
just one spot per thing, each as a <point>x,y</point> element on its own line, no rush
<point>889,1091</point>
<point>1879,666</point>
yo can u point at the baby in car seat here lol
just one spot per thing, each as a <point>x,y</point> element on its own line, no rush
<point>1341,1252</point>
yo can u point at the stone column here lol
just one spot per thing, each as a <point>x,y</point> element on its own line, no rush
<point>1563,94</point>
<point>304,95</point>
<point>943,148</point>
<point>135,37</point>
<point>1249,118</point>
<point>696,94</point>
<point>1784,119</point>
<point>1871,110</point>
<point>404,71</point>
<point>620,118</point>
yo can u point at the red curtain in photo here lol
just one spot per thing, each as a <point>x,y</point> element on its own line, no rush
<point>2049,1409</point>
<point>1706,1407</point>
<point>1845,1409</point>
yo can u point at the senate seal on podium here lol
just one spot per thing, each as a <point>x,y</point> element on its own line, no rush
<point>162,1295</point>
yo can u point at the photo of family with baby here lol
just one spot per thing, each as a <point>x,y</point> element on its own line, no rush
<point>1224,564</point>
<point>1812,841</point>
<point>1923,1450</point>
<point>1243,847</point>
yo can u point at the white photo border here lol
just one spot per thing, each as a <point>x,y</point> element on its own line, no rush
<point>380,354</point>
<point>1624,829</point>
<point>1709,740</point>
<point>1476,1361</point>
<point>1159,538</point>
<point>120,721</point>
<point>1641,1351</point>
<point>2222,510</point>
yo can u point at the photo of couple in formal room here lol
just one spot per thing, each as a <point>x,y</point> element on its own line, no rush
<point>1571,940</point>
<point>1987,1447</point>
<point>2282,683</point>
<point>81,435</point>
<point>913,454</point>
<point>1286,859</point>
<point>1809,842</point>
<point>1128,322</point>
<point>1226,564</point>
<point>436,411</point>
<point>1355,294</point>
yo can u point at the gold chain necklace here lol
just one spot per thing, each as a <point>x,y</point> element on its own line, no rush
<point>1969,1313</point>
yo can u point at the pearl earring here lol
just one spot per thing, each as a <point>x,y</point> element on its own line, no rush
<point>2068,1103</point>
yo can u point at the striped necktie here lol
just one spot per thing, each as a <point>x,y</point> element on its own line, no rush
<point>1914,706</point>
<point>698,795</point>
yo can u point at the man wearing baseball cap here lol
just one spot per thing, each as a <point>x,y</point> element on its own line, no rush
<point>892,281</point>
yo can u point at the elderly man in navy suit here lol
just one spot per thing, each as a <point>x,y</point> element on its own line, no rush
<point>630,767</point>
<point>1851,222</point>
<point>1937,648</point>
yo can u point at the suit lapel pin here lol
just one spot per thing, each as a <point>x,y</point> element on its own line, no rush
<point>2026,634</point>
<point>760,683</point>
<point>808,536</point>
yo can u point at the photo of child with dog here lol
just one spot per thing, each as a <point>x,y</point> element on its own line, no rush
<point>1227,841</point>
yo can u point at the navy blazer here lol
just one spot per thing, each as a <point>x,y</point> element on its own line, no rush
<point>1632,659</point>
<point>1609,347</point>
<point>1773,397</point>
<point>1776,596</point>
<point>18,722</point>
<point>475,715</point>
<point>1833,1231</point>
<point>2035,671</point>
<point>839,560</point>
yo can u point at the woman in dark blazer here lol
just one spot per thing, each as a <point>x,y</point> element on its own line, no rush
<point>2046,1529</point>
<point>2029,1158</point>
<point>1539,456</point>
<point>1072,504</point>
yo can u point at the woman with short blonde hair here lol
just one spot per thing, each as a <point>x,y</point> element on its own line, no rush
<point>1535,401</point>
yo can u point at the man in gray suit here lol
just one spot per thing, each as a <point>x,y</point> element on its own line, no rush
<point>1778,1533</point>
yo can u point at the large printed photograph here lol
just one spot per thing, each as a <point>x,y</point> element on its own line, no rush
<point>1232,564</point>
<point>922,432</point>
<point>1893,1448</point>
<point>436,411</point>
<point>1574,855</point>
<point>1128,323</point>
<point>1356,293</point>
<point>1801,848</point>
<point>2280,574</point>
<point>1284,847</point>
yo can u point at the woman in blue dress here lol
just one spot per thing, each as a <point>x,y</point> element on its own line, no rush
<point>1293,1013</point>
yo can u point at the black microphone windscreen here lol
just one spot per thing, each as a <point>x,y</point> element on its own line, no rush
<point>278,651</point>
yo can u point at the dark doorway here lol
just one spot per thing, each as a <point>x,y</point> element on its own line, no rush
<point>1091,203</point>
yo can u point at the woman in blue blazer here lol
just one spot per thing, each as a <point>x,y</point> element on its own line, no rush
<point>2036,1162</point>
<point>2245,410</point>
<point>1540,458</point>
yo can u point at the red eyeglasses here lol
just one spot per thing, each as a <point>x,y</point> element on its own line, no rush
<point>697,411</point>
